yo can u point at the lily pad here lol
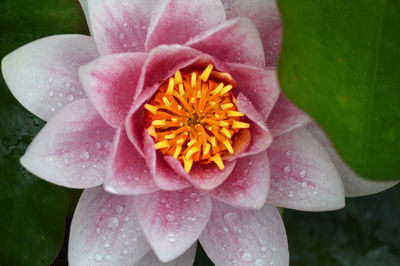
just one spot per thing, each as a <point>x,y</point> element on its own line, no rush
<point>340,63</point>
<point>32,211</point>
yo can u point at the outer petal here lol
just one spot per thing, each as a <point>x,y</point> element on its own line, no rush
<point>286,117</point>
<point>185,259</point>
<point>110,84</point>
<point>235,41</point>
<point>248,185</point>
<point>204,177</point>
<point>105,231</point>
<point>302,175</point>
<point>260,85</point>
<point>120,26</point>
<point>72,149</point>
<point>172,221</point>
<point>176,21</point>
<point>127,173</point>
<point>354,185</point>
<point>253,237</point>
<point>265,14</point>
<point>163,175</point>
<point>43,75</point>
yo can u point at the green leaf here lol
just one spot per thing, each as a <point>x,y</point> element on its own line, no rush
<point>340,63</point>
<point>365,233</point>
<point>32,211</point>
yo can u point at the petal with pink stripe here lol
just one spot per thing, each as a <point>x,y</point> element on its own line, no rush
<point>110,84</point>
<point>302,175</point>
<point>176,21</point>
<point>245,237</point>
<point>43,75</point>
<point>128,174</point>
<point>105,231</point>
<point>248,184</point>
<point>172,221</point>
<point>72,149</point>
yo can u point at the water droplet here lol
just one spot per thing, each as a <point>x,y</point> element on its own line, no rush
<point>107,257</point>
<point>121,36</point>
<point>98,230</point>
<point>226,230</point>
<point>287,169</point>
<point>67,85</point>
<point>288,153</point>
<point>50,79</point>
<point>264,249</point>
<point>193,195</point>
<point>51,93</point>
<point>125,252</point>
<point>259,262</point>
<point>106,245</point>
<point>114,222</point>
<point>98,257</point>
<point>84,156</point>
<point>303,173</point>
<point>247,257</point>
<point>119,209</point>
<point>97,145</point>
<point>170,217</point>
<point>70,97</point>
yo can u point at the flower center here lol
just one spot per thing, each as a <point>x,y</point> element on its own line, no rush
<point>193,117</point>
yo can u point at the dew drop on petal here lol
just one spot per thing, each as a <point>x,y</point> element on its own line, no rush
<point>247,257</point>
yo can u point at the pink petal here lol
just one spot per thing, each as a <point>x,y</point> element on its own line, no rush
<point>354,185</point>
<point>204,177</point>
<point>72,149</point>
<point>302,175</point>
<point>128,174</point>
<point>186,258</point>
<point>105,231</point>
<point>260,85</point>
<point>248,185</point>
<point>245,237</point>
<point>172,221</point>
<point>43,75</point>
<point>161,63</point>
<point>286,117</point>
<point>176,21</point>
<point>265,14</point>
<point>120,26</point>
<point>165,177</point>
<point>236,41</point>
<point>260,137</point>
<point>110,84</point>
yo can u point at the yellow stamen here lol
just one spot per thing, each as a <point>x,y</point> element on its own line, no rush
<point>170,136</point>
<point>194,117</point>
<point>193,80</point>
<point>226,89</point>
<point>187,164</point>
<point>218,161</point>
<point>226,132</point>
<point>206,73</point>
<point>178,77</point>
<point>177,151</point>
<point>207,149</point>
<point>166,101</point>
<point>151,108</point>
<point>170,86</point>
<point>191,152</point>
<point>235,113</point>
<point>237,124</point>
<point>228,146</point>
<point>152,131</point>
<point>162,144</point>
<point>158,123</point>
<point>226,106</point>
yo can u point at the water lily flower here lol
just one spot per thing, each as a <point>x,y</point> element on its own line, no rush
<point>170,117</point>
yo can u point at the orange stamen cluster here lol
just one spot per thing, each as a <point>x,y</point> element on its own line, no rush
<point>193,117</point>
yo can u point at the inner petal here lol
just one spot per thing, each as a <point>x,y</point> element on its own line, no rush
<point>194,118</point>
